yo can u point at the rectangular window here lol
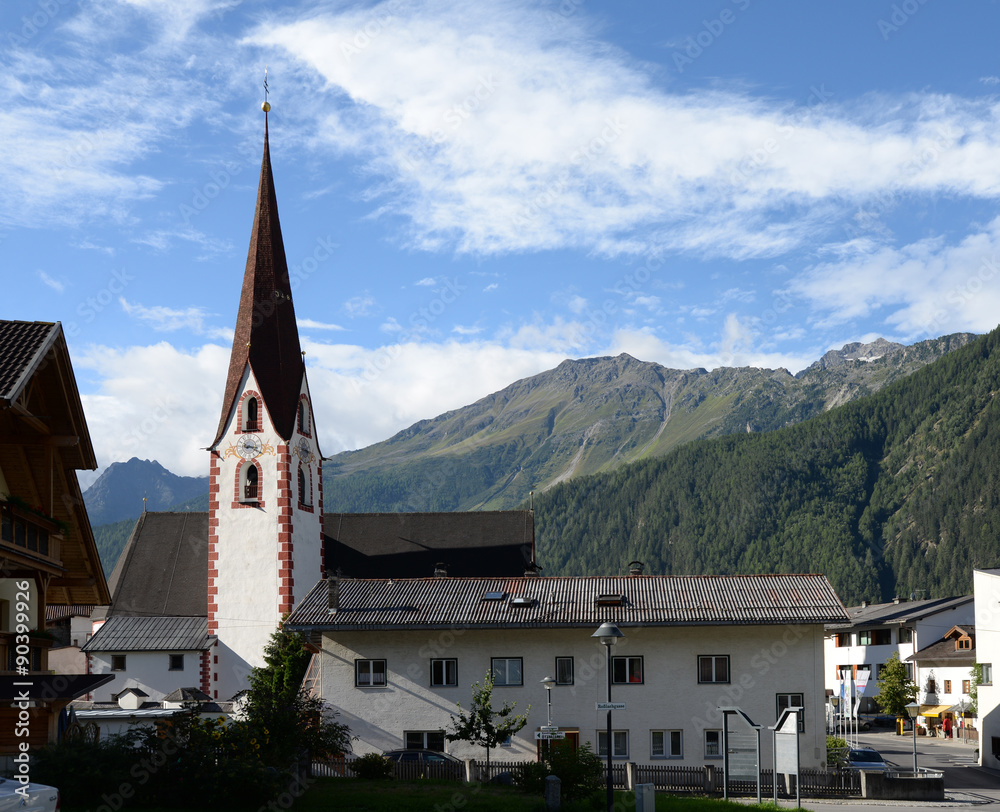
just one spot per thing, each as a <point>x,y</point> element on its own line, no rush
<point>966,686</point>
<point>931,686</point>
<point>875,637</point>
<point>626,669</point>
<point>843,639</point>
<point>444,673</point>
<point>947,686</point>
<point>666,744</point>
<point>506,671</point>
<point>905,635</point>
<point>713,668</point>
<point>176,662</point>
<point>619,739</point>
<point>909,671</point>
<point>117,662</point>
<point>964,643</point>
<point>424,740</point>
<point>713,744</point>
<point>369,673</point>
<point>564,670</point>
<point>784,701</point>
<point>987,670</point>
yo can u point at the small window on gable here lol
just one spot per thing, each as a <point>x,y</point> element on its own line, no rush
<point>117,662</point>
<point>963,643</point>
<point>176,662</point>
<point>250,487</point>
<point>251,415</point>
<point>303,417</point>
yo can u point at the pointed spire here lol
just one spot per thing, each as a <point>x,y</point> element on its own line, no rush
<point>266,335</point>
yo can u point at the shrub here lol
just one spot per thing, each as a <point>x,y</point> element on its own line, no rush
<point>372,766</point>
<point>579,770</point>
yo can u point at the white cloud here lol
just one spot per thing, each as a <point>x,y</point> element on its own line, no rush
<point>490,287</point>
<point>358,306</point>
<point>516,137</point>
<point>923,289</point>
<point>168,319</point>
<point>427,281</point>
<point>577,304</point>
<point>55,284</point>
<point>310,324</point>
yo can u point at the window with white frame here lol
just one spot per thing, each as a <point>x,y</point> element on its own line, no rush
<point>444,673</point>
<point>905,635</point>
<point>713,744</point>
<point>666,744</point>
<point>369,673</point>
<point>619,743</point>
<point>713,668</point>
<point>626,670</point>
<point>564,670</point>
<point>506,671</point>
<point>784,701</point>
<point>987,673</point>
<point>424,740</point>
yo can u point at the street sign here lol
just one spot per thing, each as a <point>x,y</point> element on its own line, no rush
<point>548,728</point>
<point>611,706</point>
<point>543,735</point>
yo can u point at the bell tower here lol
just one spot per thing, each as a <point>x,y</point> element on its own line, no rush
<point>265,545</point>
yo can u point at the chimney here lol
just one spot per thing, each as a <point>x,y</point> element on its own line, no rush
<point>896,600</point>
<point>864,604</point>
<point>333,593</point>
<point>635,567</point>
<point>531,570</point>
<point>440,570</point>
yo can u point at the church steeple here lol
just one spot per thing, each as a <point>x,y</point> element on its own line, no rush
<point>266,333</point>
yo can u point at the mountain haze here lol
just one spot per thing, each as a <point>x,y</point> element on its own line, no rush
<point>118,492</point>
<point>597,414</point>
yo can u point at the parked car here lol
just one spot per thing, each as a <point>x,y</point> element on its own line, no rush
<point>40,797</point>
<point>865,758</point>
<point>426,764</point>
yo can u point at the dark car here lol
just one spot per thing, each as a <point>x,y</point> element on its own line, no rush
<point>865,758</point>
<point>415,763</point>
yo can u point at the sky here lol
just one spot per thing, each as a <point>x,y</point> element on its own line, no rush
<point>472,192</point>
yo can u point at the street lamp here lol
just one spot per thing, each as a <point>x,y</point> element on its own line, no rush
<point>834,703</point>
<point>911,709</point>
<point>608,634</point>
<point>549,684</point>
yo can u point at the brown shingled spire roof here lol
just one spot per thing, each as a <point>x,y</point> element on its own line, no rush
<point>266,335</point>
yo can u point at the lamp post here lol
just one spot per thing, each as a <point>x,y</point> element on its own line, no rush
<point>911,709</point>
<point>834,702</point>
<point>608,634</point>
<point>549,683</point>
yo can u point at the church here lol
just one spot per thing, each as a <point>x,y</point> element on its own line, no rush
<point>196,596</point>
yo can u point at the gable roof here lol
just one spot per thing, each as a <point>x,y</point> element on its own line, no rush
<point>878,614</point>
<point>410,545</point>
<point>151,634</point>
<point>648,600</point>
<point>266,335</point>
<point>44,440</point>
<point>943,651</point>
<point>163,569</point>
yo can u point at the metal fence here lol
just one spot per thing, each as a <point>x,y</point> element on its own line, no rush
<point>665,777</point>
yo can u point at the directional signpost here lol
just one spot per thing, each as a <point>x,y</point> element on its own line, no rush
<point>611,706</point>
<point>741,749</point>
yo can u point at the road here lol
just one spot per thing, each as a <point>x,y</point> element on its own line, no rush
<point>965,783</point>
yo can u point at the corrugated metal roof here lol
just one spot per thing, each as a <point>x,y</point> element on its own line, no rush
<point>878,614</point>
<point>570,601</point>
<point>151,634</point>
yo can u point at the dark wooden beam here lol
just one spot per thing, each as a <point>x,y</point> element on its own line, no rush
<point>50,440</point>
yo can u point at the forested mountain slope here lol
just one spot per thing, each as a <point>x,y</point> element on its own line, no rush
<point>885,495</point>
<point>597,414</point>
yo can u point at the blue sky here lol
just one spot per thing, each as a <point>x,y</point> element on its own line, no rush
<point>471,193</point>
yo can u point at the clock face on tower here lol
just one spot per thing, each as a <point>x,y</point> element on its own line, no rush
<point>303,450</point>
<point>249,446</point>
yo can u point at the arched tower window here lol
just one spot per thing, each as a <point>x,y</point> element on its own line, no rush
<point>251,421</point>
<point>303,417</point>
<point>251,484</point>
<point>305,487</point>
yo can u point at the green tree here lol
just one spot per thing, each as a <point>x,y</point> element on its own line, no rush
<point>483,725</point>
<point>895,689</point>
<point>977,679</point>
<point>280,715</point>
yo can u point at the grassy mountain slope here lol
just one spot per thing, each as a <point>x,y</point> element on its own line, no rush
<point>887,494</point>
<point>594,415</point>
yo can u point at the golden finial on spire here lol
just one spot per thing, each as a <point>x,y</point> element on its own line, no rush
<point>266,106</point>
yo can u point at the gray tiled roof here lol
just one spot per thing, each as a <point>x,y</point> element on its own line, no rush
<point>570,602</point>
<point>23,345</point>
<point>879,614</point>
<point>944,650</point>
<point>151,634</point>
<point>163,569</point>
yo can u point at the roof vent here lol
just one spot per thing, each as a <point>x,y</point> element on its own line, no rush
<point>610,599</point>
<point>635,567</point>
<point>440,570</point>
<point>896,600</point>
<point>522,600</point>
<point>333,593</point>
<point>531,570</point>
<point>864,604</point>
